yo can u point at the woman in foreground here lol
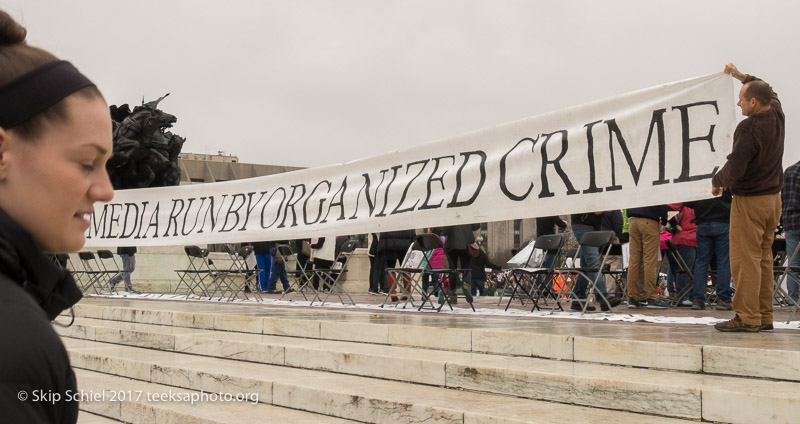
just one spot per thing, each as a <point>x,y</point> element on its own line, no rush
<point>55,138</point>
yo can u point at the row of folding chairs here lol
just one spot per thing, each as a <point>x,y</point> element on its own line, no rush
<point>406,280</point>
<point>204,277</point>
<point>226,280</point>
<point>551,273</point>
<point>329,280</point>
<point>92,272</point>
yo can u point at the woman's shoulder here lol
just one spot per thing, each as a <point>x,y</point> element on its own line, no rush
<point>32,356</point>
<point>27,333</point>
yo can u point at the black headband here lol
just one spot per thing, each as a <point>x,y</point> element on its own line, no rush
<point>33,92</point>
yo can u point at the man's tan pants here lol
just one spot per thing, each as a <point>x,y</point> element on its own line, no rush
<point>753,222</point>
<point>644,238</point>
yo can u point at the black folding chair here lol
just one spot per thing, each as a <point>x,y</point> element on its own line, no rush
<point>602,241</point>
<point>407,280</point>
<point>619,276</point>
<point>683,269</point>
<point>92,274</point>
<point>331,279</point>
<point>429,242</point>
<point>784,273</point>
<point>238,278</point>
<point>109,265</point>
<point>535,281</point>
<point>196,273</point>
<point>284,252</point>
<point>530,262</point>
<point>301,276</point>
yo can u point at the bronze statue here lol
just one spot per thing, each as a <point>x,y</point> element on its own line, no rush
<point>145,153</point>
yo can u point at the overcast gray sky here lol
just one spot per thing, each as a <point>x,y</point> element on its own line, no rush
<point>309,83</point>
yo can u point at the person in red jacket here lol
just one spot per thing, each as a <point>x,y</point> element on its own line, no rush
<point>684,235</point>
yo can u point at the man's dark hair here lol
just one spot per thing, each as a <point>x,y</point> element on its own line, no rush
<point>760,90</point>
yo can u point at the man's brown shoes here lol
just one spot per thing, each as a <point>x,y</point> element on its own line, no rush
<point>736,324</point>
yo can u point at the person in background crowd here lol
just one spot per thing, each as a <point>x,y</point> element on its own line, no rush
<point>392,248</point>
<point>754,174</point>
<point>278,269</point>
<point>644,225</point>
<point>457,238</point>
<point>435,261</point>
<point>613,221</point>
<point>626,236</point>
<point>128,256</point>
<point>374,266</point>
<point>790,219</point>
<point>546,225</point>
<point>713,226</point>
<point>303,249</point>
<point>262,250</point>
<point>55,140</point>
<point>478,263</point>
<point>323,253</point>
<point>583,223</point>
<point>684,236</point>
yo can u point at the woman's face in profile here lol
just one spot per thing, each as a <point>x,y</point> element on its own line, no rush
<point>51,184</point>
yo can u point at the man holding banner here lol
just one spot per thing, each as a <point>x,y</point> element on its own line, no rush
<point>754,174</point>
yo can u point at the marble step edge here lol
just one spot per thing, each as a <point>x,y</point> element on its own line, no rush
<point>86,417</point>
<point>721,400</point>
<point>409,364</point>
<point>710,359</point>
<point>121,399</point>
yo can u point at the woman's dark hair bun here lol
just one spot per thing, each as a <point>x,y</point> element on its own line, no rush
<point>10,31</point>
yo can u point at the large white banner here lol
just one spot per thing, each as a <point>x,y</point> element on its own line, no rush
<point>653,146</point>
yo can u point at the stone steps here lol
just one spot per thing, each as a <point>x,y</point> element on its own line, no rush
<point>416,367</point>
<point>136,401</point>
<point>689,348</point>
<point>337,395</point>
<point>89,418</point>
<point>629,389</point>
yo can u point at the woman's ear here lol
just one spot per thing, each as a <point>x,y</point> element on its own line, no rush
<point>3,148</point>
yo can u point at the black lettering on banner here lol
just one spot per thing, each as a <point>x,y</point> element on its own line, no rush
<point>685,177</point>
<point>251,207</point>
<point>590,152</point>
<point>337,203</point>
<point>99,224</point>
<point>153,223</point>
<point>113,220</point>
<point>504,171</point>
<point>233,210</point>
<point>386,193</point>
<point>101,228</point>
<point>371,201</point>
<point>291,204</point>
<point>658,122</point>
<point>279,209</point>
<point>128,213</point>
<point>173,217</point>
<point>397,209</point>
<point>141,219</point>
<point>210,214</point>
<point>184,231</point>
<point>556,165</point>
<point>321,202</point>
<point>433,178</point>
<point>455,203</point>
